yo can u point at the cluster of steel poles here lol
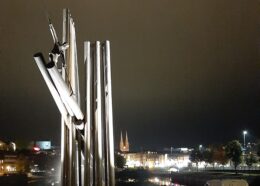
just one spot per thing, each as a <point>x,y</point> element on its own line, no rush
<point>87,139</point>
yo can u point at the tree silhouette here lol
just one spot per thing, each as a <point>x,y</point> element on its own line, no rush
<point>219,155</point>
<point>207,156</point>
<point>251,159</point>
<point>196,157</point>
<point>234,152</point>
<point>120,161</point>
<point>258,149</point>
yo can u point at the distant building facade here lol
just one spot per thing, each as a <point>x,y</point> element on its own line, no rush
<point>145,159</point>
<point>11,146</point>
<point>177,159</point>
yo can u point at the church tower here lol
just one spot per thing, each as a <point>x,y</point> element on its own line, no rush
<point>124,144</point>
<point>121,144</point>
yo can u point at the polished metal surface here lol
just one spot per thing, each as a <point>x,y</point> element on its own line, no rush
<point>41,65</point>
<point>88,164</point>
<point>109,114</point>
<point>87,139</point>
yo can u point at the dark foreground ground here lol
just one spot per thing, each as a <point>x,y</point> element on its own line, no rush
<point>198,179</point>
<point>23,180</point>
<point>141,178</point>
<point>189,178</point>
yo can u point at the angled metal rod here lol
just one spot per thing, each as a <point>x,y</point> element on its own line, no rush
<point>73,66</point>
<point>64,91</point>
<point>38,57</point>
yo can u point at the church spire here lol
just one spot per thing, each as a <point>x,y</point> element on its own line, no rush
<point>121,144</point>
<point>126,142</point>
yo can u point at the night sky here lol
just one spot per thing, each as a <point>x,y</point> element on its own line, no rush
<point>183,72</point>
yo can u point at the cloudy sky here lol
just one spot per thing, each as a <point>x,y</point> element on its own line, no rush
<point>183,72</point>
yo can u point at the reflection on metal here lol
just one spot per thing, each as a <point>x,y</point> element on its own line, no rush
<point>87,139</point>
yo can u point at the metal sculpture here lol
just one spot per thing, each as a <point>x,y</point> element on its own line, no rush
<point>87,144</point>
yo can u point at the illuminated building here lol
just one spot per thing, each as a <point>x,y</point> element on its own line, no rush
<point>169,161</point>
<point>3,145</point>
<point>124,145</point>
<point>11,163</point>
<point>11,146</point>
<point>145,159</point>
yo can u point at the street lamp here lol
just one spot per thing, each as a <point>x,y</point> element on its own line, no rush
<point>244,134</point>
<point>200,147</point>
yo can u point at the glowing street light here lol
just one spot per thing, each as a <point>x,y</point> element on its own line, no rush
<point>244,134</point>
<point>200,147</point>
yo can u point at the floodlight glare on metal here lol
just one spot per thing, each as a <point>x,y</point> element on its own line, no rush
<point>41,65</point>
<point>64,91</point>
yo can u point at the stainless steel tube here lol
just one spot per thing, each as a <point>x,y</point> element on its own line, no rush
<point>99,128</point>
<point>64,91</point>
<point>41,65</point>
<point>88,137</point>
<point>109,114</point>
